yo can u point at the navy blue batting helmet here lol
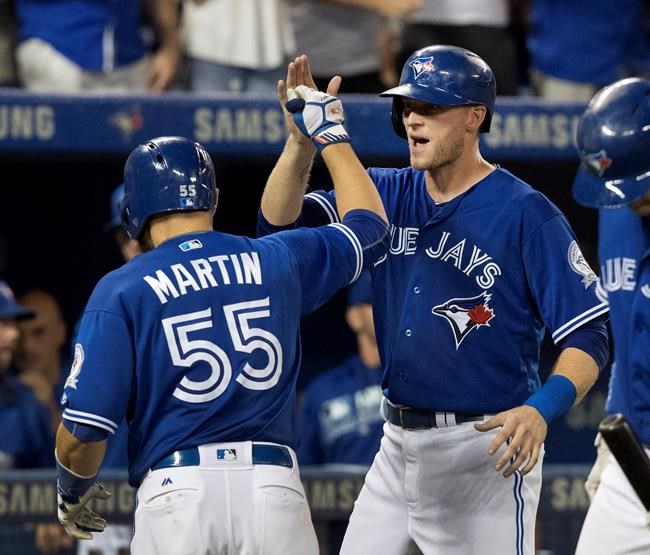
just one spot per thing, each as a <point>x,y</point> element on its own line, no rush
<point>614,146</point>
<point>166,174</point>
<point>447,76</point>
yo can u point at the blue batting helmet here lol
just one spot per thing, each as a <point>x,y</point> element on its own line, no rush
<point>614,146</point>
<point>166,174</point>
<point>444,75</point>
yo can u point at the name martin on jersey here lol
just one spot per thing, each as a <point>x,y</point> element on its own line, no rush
<point>242,268</point>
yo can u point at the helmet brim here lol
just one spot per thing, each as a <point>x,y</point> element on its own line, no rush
<point>431,95</point>
<point>597,192</point>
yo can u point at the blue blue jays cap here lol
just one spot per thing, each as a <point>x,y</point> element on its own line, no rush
<point>116,209</point>
<point>9,308</point>
<point>613,142</point>
<point>360,292</point>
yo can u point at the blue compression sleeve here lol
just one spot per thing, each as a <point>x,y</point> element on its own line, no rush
<point>592,338</point>
<point>372,232</point>
<point>84,432</point>
<point>555,397</point>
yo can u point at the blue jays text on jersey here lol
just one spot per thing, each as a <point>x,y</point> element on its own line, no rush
<point>201,345</point>
<point>462,297</point>
<point>624,253</point>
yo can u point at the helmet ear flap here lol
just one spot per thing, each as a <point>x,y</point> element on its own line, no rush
<point>396,116</point>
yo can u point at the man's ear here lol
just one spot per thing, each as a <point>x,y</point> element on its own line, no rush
<point>475,117</point>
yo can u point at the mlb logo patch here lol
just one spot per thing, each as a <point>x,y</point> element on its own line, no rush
<point>226,454</point>
<point>190,245</point>
<point>187,202</point>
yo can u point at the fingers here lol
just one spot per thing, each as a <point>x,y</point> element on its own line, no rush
<point>282,92</point>
<point>334,85</point>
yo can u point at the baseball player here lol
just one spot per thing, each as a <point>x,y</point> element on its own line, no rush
<point>340,421</point>
<point>196,342</point>
<point>613,143</point>
<point>479,265</point>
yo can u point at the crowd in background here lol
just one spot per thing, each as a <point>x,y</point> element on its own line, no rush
<point>557,50</point>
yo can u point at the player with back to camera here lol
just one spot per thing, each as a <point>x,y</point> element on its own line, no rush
<point>196,341</point>
<point>479,265</point>
<point>614,177</point>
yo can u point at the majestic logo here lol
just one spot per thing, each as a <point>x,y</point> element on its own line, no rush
<point>167,481</point>
<point>421,65</point>
<point>128,122</point>
<point>77,362</point>
<point>465,314</point>
<point>579,265</point>
<point>226,454</point>
<point>598,162</point>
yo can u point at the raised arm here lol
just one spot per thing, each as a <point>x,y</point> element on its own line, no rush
<point>285,187</point>
<point>320,117</point>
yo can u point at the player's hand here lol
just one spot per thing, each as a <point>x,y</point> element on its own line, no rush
<point>526,429</point>
<point>77,519</point>
<point>318,115</point>
<point>299,73</point>
<point>593,480</point>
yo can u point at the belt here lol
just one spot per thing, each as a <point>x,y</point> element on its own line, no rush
<point>262,453</point>
<point>418,419</point>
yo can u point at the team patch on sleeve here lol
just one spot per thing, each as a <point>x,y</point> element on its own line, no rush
<point>77,363</point>
<point>579,265</point>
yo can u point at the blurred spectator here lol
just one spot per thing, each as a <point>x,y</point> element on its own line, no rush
<point>577,47</point>
<point>26,440</point>
<point>41,360</point>
<point>7,45</point>
<point>340,419</point>
<point>74,45</point>
<point>485,28</point>
<point>350,38</point>
<point>237,45</point>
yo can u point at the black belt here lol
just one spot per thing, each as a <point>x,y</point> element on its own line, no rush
<point>418,419</point>
<point>262,453</point>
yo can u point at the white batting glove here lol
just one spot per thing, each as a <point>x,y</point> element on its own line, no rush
<point>593,480</point>
<point>318,115</point>
<point>77,519</point>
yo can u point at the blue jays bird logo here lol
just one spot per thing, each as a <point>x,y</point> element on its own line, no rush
<point>465,314</point>
<point>597,162</point>
<point>420,65</point>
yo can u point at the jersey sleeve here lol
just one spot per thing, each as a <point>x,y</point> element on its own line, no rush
<point>318,209</point>
<point>560,279</point>
<point>98,388</point>
<point>329,257</point>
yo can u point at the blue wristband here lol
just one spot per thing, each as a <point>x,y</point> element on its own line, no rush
<point>71,486</point>
<point>555,397</point>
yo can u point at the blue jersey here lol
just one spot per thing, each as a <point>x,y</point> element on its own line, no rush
<point>96,35</point>
<point>26,440</point>
<point>467,288</point>
<point>197,341</point>
<point>340,420</point>
<point>624,253</point>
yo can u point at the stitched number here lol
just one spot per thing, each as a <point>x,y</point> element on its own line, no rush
<point>246,340</point>
<point>186,352</point>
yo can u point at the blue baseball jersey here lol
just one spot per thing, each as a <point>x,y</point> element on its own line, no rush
<point>197,341</point>
<point>462,299</point>
<point>624,253</point>
<point>98,36</point>
<point>26,440</point>
<point>340,419</point>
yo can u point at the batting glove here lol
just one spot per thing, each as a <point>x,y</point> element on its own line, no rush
<point>74,515</point>
<point>318,115</point>
<point>593,480</point>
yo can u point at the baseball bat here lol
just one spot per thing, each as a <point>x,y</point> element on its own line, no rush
<point>629,453</point>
